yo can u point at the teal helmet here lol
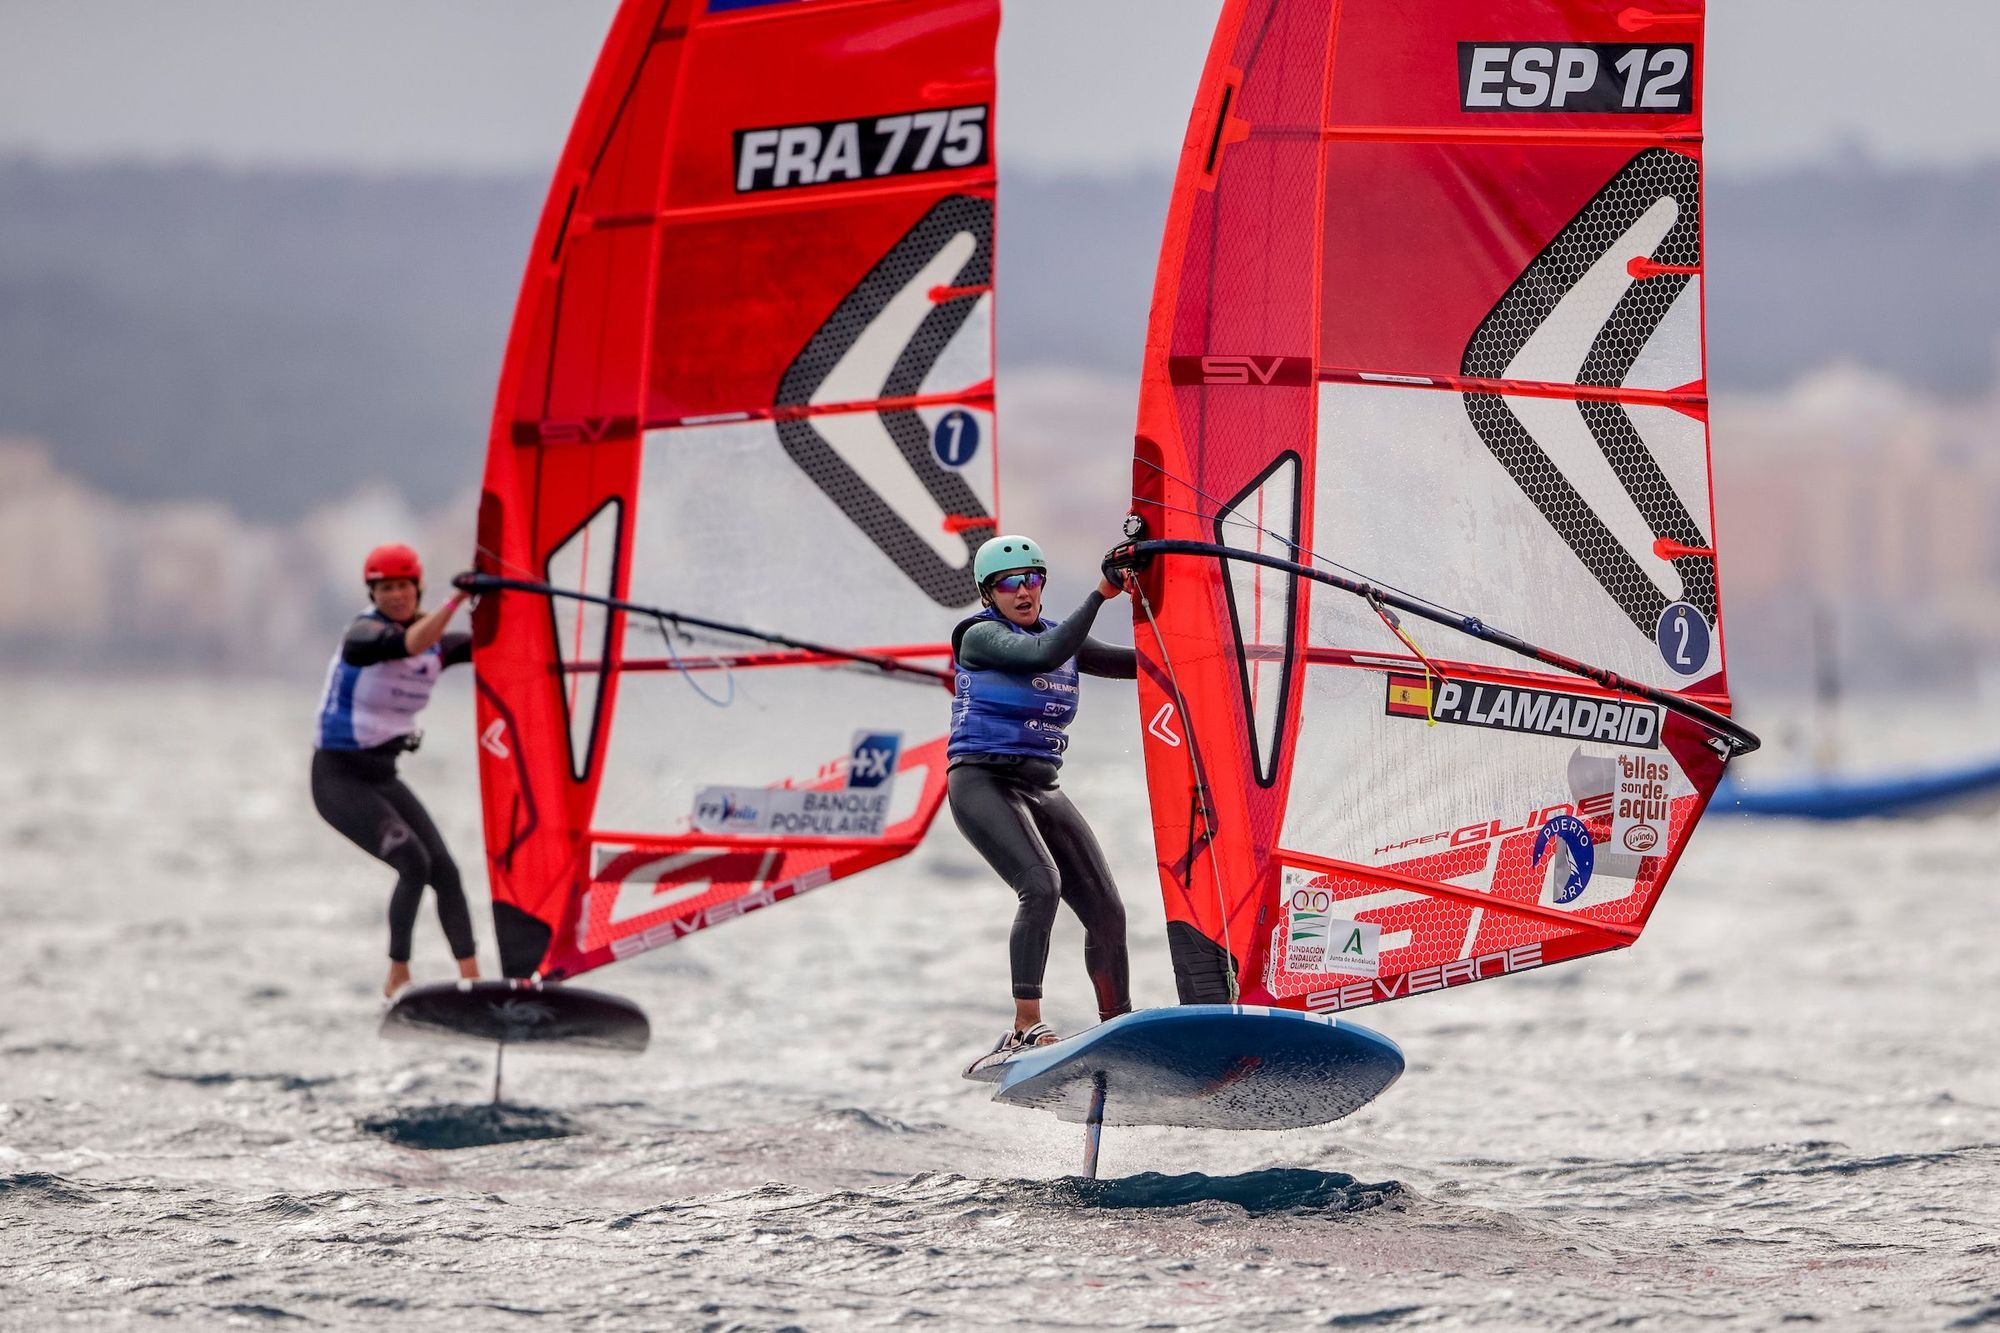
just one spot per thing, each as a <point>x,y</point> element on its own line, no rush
<point>997,555</point>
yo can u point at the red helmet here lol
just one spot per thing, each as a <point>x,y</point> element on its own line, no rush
<point>394,561</point>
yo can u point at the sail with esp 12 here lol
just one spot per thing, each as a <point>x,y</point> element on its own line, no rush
<point>1432,684</point>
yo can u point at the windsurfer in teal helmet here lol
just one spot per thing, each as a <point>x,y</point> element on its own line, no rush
<point>1014,694</point>
<point>378,682</point>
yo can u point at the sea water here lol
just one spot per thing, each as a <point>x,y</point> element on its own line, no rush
<point>1782,1105</point>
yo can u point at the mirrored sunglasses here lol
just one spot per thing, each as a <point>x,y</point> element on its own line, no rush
<point>1033,578</point>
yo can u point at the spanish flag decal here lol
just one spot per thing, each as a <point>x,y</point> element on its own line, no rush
<point>1409,696</point>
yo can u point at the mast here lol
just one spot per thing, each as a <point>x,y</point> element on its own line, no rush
<point>751,362</point>
<point>1431,645</point>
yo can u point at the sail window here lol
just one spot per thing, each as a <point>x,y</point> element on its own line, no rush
<point>1264,518</point>
<point>585,561</point>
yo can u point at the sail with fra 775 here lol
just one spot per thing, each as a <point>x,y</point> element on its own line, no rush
<point>751,363</point>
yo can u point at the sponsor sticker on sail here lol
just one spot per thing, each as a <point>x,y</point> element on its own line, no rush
<point>1640,802</point>
<point>792,812</point>
<point>857,809</point>
<point>1318,940</point>
<point>1519,708</point>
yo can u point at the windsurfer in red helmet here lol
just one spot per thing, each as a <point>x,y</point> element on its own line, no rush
<point>376,685</point>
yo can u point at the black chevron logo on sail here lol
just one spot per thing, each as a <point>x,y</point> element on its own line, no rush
<point>851,321</point>
<point>1651,176</point>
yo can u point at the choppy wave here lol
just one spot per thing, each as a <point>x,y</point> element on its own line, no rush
<point>1783,1108</point>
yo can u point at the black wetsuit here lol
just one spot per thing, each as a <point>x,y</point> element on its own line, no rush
<point>357,791</point>
<point>1010,808</point>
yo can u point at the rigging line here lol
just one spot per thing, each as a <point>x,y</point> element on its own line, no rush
<point>1279,537</point>
<point>1229,516</point>
<point>666,639</point>
<point>479,549</point>
<point>1207,803</point>
<point>1226,516</point>
<point>728,673</point>
<point>1729,737</point>
<point>1395,624</point>
<point>891,665</point>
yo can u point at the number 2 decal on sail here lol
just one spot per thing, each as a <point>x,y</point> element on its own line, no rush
<point>1422,463</point>
<point>1600,292</point>
<point>1424,362</point>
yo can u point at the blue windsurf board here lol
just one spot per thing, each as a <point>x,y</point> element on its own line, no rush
<point>1206,1066</point>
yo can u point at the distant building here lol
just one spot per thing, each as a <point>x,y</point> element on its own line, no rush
<point>1854,513</point>
<point>1853,499</point>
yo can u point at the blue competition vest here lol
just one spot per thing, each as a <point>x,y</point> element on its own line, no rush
<point>1005,712</point>
<point>364,707</point>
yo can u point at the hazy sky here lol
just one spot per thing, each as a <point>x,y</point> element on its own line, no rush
<point>1086,84</point>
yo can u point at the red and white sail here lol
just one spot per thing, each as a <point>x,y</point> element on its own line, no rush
<point>1428,313</point>
<point>749,380</point>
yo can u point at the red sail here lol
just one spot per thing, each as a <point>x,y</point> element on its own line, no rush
<point>1429,306</point>
<point>749,381</point>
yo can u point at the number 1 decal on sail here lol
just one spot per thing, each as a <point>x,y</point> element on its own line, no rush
<point>762,281</point>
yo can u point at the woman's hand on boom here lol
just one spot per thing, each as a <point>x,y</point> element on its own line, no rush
<point>427,629</point>
<point>1116,571</point>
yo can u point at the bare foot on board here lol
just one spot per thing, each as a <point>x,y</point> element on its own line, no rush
<point>468,969</point>
<point>399,977</point>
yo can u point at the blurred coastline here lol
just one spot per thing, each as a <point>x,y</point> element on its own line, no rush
<point>218,388</point>
<point>1848,499</point>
